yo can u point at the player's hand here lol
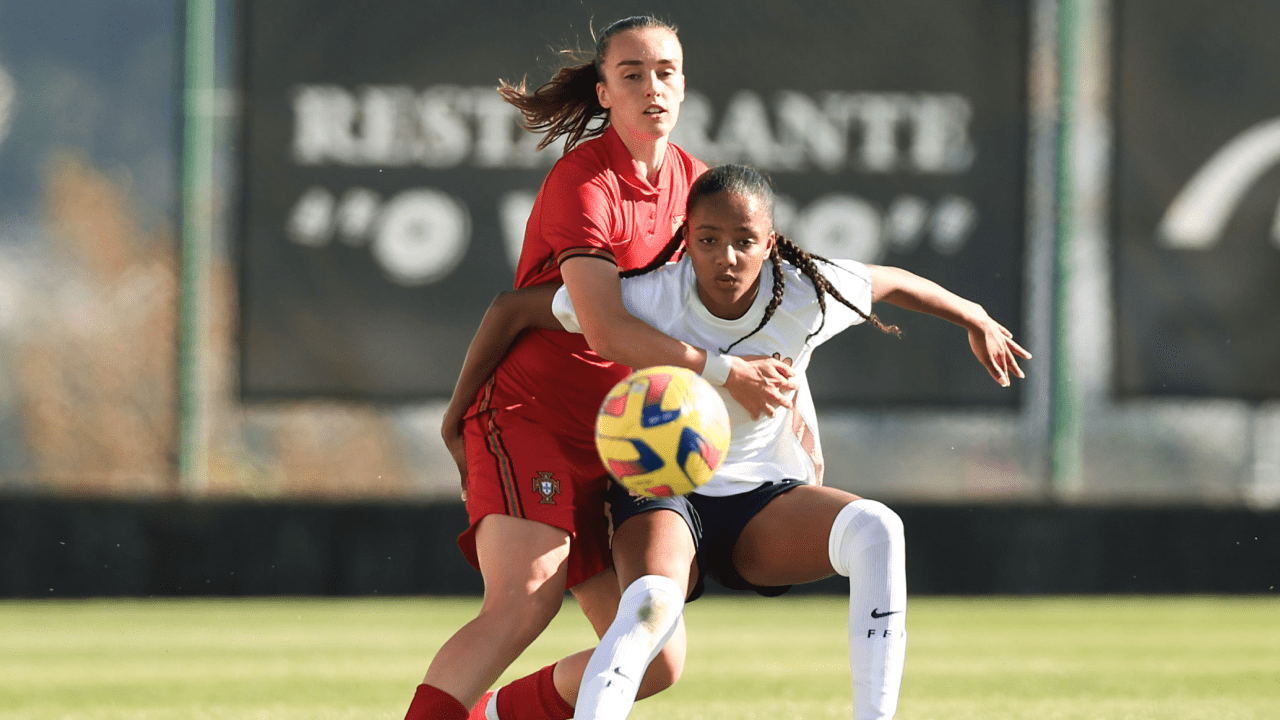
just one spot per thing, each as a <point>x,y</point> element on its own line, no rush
<point>993,345</point>
<point>451,432</point>
<point>760,384</point>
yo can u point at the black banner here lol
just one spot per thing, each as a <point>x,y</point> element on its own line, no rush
<point>1197,238</point>
<point>386,185</point>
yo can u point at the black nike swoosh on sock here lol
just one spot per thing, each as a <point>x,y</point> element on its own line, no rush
<point>876,614</point>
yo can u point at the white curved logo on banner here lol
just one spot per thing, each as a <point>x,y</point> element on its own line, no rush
<point>8,92</point>
<point>421,236</point>
<point>1197,217</point>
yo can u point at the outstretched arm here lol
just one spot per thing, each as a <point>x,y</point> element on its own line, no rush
<point>511,313</point>
<point>990,341</point>
<point>758,384</point>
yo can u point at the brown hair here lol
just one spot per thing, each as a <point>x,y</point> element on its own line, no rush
<point>567,104</point>
<point>746,181</point>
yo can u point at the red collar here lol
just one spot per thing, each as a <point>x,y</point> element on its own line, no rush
<point>620,158</point>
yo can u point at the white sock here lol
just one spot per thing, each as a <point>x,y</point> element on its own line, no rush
<point>491,708</point>
<point>647,616</point>
<point>868,546</point>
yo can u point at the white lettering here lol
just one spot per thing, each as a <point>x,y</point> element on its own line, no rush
<point>445,137</point>
<point>323,116</point>
<point>941,143</point>
<point>808,132</point>
<point>447,126</point>
<point>833,131</point>
<point>879,115</point>
<point>384,134</point>
<point>500,139</point>
<point>395,126</point>
<point>745,136</point>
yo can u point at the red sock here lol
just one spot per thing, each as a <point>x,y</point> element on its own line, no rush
<point>533,697</point>
<point>431,703</point>
<point>478,712</point>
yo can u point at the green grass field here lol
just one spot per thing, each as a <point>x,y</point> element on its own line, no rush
<point>1129,658</point>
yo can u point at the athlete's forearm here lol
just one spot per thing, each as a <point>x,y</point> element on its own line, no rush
<point>990,341</point>
<point>634,343</point>
<point>908,290</point>
<point>611,330</point>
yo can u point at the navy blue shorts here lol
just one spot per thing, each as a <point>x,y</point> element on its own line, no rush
<point>716,524</point>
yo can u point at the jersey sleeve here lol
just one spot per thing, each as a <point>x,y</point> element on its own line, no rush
<point>562,308</point>
<point>852,280</point>
<point>578,216</point>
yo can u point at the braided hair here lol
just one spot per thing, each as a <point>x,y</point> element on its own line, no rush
<point>567,104</point>
<point>747,181</point>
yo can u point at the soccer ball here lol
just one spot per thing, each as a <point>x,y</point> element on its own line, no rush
<point>662,431</point>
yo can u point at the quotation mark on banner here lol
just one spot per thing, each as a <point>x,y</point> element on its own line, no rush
<point>8,92</point>
<point>418,236</point>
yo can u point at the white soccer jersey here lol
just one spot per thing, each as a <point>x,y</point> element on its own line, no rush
<point>771,448</point>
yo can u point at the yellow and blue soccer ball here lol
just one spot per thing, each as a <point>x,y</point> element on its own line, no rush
<point>662,431</point>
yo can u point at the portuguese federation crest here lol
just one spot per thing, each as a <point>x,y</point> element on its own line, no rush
<point>546,486</point>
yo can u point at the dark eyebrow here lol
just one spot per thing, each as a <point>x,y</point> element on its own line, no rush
<point>621,63</point>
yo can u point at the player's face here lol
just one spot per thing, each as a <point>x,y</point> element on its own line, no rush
<point>730,237</point>
<point>643,83</point>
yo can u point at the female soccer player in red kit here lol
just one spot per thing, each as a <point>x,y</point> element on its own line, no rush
<point>533,482</point>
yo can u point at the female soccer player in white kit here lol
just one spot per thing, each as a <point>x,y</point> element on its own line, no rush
<point>764,522</point>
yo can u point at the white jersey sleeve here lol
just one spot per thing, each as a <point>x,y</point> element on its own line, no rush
<point>852,280</point>
<point>562,308</point>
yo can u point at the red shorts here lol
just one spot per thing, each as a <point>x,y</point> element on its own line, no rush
<point>517,467</point>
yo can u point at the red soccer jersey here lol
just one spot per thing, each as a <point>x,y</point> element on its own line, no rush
<point>593,202</point>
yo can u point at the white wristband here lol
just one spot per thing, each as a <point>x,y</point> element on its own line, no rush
<point>716,371</point>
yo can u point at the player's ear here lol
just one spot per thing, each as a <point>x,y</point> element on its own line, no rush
<point>602,94</point>
<point>773,240</point>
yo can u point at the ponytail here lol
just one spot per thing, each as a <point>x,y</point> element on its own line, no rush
<point>565,106</point>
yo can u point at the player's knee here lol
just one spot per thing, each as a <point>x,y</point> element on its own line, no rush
<point>888,524</point>
<point>658,603</point>
<point>521,617</point>
<point>860,525</point>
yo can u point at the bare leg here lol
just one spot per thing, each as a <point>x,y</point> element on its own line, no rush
<point>826,531</point>
<point>523,564</point>
<point>653,554</point>
<point>598,598</point>
<point>803,517</point>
